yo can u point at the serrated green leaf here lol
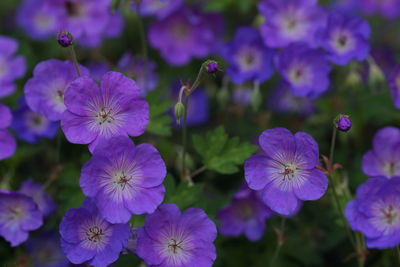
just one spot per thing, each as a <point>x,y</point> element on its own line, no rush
<point>220,153</point>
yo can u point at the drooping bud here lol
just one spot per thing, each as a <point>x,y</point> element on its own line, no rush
<point>179,111</point>
<point>65,38</point>
<point>375,75</point>
<point>343,123</point>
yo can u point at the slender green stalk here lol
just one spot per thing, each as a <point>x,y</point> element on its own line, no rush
<point>279,243</point>
<point>184,137</point>
<point>198,171</point>
<point>75,60</point>
<point>143,41</point>
<point>333,142</point>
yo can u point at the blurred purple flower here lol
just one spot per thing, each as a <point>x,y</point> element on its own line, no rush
<point>345,5</point>
<point>36,191</point>
<point>248,58</point>
<point>98,113</point>
<point>186,34</point>
<point>389,8</point>
<point>246,214</point>
<point>376,212</point>
<point>306,70</point>
<point>242,95</point>
<point>97,69</point>
<point>384,158</point>
<point>19,214</point>
<point>147,80</point>
<point>89,21</point>
<point>394,82</point>
<point>44,92</point>
<point>291,21</point>
<point>282,100</point>
<point>30,126</point>
<point>8,144</point>
<point>11,66</point>
<point>159,8</point>
<point>345,38</point>
<point>174,239</point>
<point>87,237</point>
<point>124,179</point>
<point>286,172</point>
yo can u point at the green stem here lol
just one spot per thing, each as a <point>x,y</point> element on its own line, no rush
<point>143,41</point>
<point>279,243</point>
<point>333,142</point>
<point>75,60</point>
<point>184,138</point>
<point>198,171</point>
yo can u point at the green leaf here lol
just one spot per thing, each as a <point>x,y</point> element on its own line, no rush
<point>160,121</point>
<point>221,154</point>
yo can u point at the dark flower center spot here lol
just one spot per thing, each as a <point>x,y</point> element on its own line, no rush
<point>94,234</point>
<point>245,211</point>
<point>37,120</point>
<point>288,172</point>
<point>174,246</point>
<point>72,9</point>
<point>123,181</point>
<point>15,213</point>
<point>342,41</point>
<point>105,116</point>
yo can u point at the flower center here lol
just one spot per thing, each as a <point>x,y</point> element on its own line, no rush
<point>16,213</point>
<point>174,246</point>
<point>389,168</point>
<point>95,234</point>
<point>390,215</point>
<point>105,115</point>
<point>297,75</point>
<point>289,172</point>
<point>72,9</point>
<point>122,180</point>
<point>245,211</point>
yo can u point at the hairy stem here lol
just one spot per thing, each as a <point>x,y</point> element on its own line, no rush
<point>75,60</point>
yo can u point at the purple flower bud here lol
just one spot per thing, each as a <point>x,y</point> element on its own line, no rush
<point>343,123</point>
<point>212,66</point>
<point>65,38</point>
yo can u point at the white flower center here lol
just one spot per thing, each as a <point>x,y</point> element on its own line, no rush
<point>105,116</point>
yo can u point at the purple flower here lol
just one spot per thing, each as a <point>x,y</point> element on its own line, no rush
<point>394,82</point>
<point>306,70</point>
<point>170,238</point>
<point>282,100</point>
<point>198,111</point>
<point>7,141</point>
<point>44,202</point>
<point>242,95</point>
<point>18,215</point>
<point>98,113</point>
<point>39,18</point>
<point>389,8</point>
<point>184,35</point>
<point>159,8</point>
<point>30,126</point>
<point>147,80</point>
<point>124,179</point>
<point>345,5</point>
<point>246,214</point>
<point>343,123</point>
<point>248,58</point>
<point>384,158</point>
<point>132,241</point>
<point>345,38</point>
<point>97,69</point>
<point>87,237</point>
<point>44,92</point>
<point>291,21</point>
<point>89,21</point>
<point>285,173</point>
<point>376,212</point>
<point>11,66</point>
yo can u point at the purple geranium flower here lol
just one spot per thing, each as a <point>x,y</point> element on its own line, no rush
<point>282,100</point>
<point>19,214</point>
<point>11,66</point>
<point>39,18</point>
<point>389,8</point>
<point>159,8</point>
<point>170,238</point>
<point>124,179</point>
<point>7,141</point>
<point>245,215</point>
<point>376,212</point>
<point>135,66</point>
<point>44,92</point>
<point>306,70</point>
<point>286,171</point>
<point>36,191</point>
<point>87,237</point>
<point>98,69</point>
<point>394,82</point>
<point>30,126</point>
<point>98,113</point>
<point>346,38</point>
<point>185,34</point>
<point>291,21</point>
<point>384,158</point>
<point>248,58</point>
<point>89,21</point>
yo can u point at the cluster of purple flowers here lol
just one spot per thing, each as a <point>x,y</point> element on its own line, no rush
<point>7,141</point>
<point>89,21</point>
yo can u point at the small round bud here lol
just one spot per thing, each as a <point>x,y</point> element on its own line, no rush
<point>212,66</point>
<point>65,38</point>
<point>343,123</point>
<point>179,111</point>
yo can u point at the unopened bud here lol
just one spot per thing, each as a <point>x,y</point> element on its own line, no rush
<point>65,38</point>
<point>179,111</point>
<point>343,123</point>
<point>212,66</point>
